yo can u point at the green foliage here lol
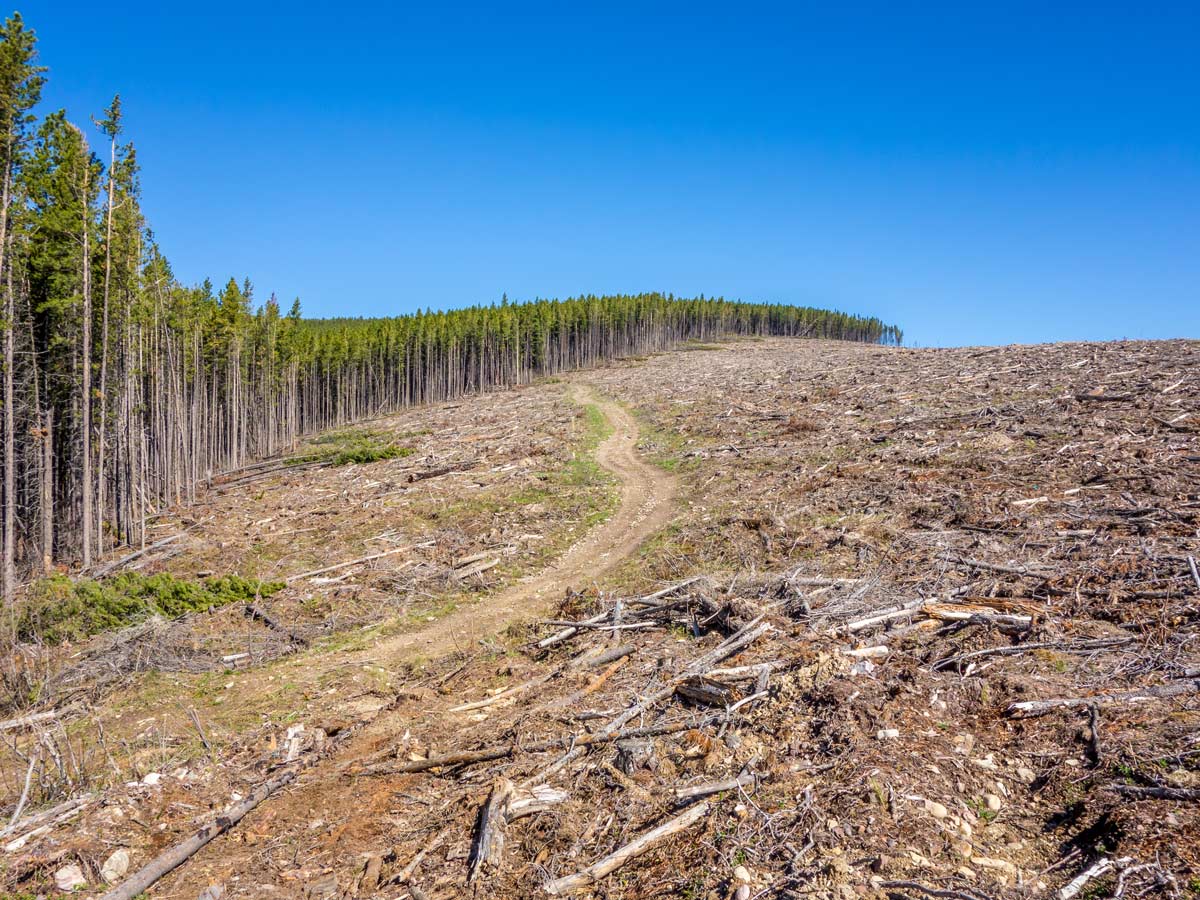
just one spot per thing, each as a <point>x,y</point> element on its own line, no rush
<point>61,609</point>
<point>340,448</point>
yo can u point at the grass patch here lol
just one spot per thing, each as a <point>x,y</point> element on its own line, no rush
<point>59,609</point>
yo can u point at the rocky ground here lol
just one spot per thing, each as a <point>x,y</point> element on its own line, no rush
<point>923,624</point>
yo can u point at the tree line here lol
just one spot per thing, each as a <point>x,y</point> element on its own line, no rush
<point>125,390</point>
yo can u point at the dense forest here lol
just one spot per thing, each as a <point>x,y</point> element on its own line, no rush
<point>124,389</point>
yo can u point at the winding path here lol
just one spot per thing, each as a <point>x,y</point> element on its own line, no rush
<point>647,504</point>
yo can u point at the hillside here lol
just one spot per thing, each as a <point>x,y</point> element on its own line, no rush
<point>763,617</point>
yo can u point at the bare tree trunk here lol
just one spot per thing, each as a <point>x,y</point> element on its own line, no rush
<point>100,487</point>
<point>86,411</point>
<point>8,578</point>
<point>47,492</point>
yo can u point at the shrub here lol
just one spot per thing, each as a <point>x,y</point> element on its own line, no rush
<point>61,609</point>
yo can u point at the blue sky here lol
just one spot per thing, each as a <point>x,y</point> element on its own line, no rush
<point>1022,173</point>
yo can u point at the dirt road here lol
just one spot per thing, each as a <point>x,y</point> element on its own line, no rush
<point>647,504</point>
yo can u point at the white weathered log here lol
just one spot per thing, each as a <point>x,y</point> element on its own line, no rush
<point>1100,867</point>
<point>28,721</point>
<point>347,564</point>
<point>696,791</point>
<point>569,884</point>
<point>1030,708</point>
<point>896,612</point>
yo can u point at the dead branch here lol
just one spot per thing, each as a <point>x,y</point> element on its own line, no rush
<point>469,757</point>
<point>1191,795</point>
<point>29,721</point>
<point>582,880</point>
<point>685,795</point>
<point>347,564</point>
<point>1024,571</point>
<point>45,821</point>
<point>1031,708</point>
<point>175,856</point>
<point>1064,647</point>
<point>253,612</point>
<point>1100,867</point>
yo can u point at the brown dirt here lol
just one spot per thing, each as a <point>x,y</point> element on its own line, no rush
<point>647,495</point>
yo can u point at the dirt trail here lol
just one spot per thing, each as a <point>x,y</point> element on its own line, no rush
<point>647,503</point>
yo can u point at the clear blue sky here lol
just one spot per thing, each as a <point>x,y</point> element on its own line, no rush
<point>1026,172</point>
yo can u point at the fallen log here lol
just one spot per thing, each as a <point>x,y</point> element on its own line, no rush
<point>29,721</point>
<point>253,612</point>
<point>1064,647</point>
<point>649,599</point>
<point>706,691</point>
<point>696,791</point>
<point>570,884</point>
<point>592,661</point>
<point>487,754</point>
<point>176,856</point>
<point>107,568</point>
<point>1191,795</point>
<point>414,477</point>
<point>1101,867</point>
<point>1031,708</point>
<point>346,564</point>
<point>896,612</point>
<point>567,633</point>
<point>510,693</point>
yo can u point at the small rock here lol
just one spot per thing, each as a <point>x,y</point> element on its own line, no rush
<point>993,802</point>
<point>998,865</point>
<point>839,866</point>
<point>963,849</point>
<point>212,892</point>
<point>1026,775</point>
<point>321,888</point>
<point>151,778</point>
<point>68,878</point>
<point>742,874</point>
<point>115,866</point>
<point>936,809</point>
<point>969,874</point>
<point>742,892</point>
<point>886,734</point>
<point>741,811</point>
